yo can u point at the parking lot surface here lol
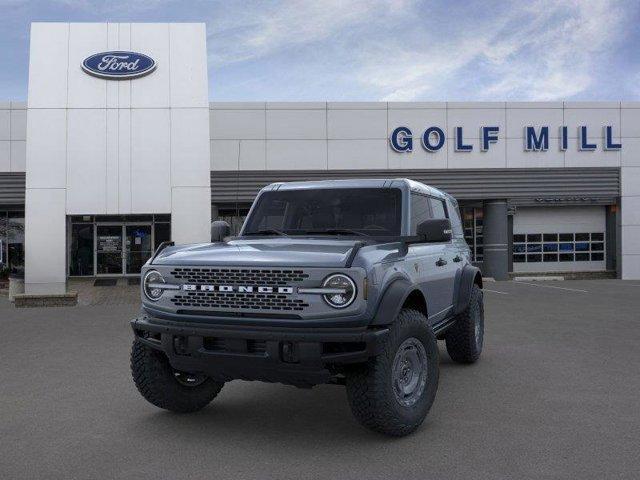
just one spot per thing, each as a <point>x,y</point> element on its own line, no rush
<point>556,394</point>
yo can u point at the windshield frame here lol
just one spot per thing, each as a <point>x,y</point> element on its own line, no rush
<point>331,232</point>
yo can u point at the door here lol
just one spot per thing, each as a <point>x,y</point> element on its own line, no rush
<point>436,278</point>
<point>122,249</point>
<point>448,261</point>
<point>138,247</point>
<point>109,259</point>
<point>419,261</point>
<point>430,264</point>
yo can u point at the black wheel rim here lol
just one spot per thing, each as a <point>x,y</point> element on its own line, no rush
<point>189,379</point>
<point>409,374</point>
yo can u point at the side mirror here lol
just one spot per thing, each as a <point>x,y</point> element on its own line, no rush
<point>219,230</point>
<point>435,230</point>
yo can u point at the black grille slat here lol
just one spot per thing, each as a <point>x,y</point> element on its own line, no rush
<point>235,300</point>
<point>258,347</point>
<point>238,301</point>
<point>216,344</point>
<point>231,276</point>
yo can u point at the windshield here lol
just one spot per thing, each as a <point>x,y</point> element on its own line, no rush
<point>329,211</point>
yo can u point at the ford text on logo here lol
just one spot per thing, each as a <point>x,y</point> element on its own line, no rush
<point>118,65</point>
<point>535,139</point>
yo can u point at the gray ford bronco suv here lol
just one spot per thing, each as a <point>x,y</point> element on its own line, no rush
<point>349,282</point>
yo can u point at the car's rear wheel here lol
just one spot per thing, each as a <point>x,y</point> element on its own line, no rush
<point>165,387</point>
<point>466,337</point>
<point>393,392</point>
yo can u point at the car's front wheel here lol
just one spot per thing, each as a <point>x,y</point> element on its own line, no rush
<point>393,392</point>
<point>166,387</point>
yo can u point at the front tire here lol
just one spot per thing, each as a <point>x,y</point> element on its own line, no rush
<point>393,392</point>
<point>167,388</point>
<point>466,337</point>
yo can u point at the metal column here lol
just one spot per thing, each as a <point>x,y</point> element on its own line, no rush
<point>496,240</point>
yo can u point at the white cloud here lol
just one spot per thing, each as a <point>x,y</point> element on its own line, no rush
<point>546,51</point>
<point>569,50</point>
<point>401,49</point>
<point>417,74</point>
<point>405,50</point>
<point>243,34</point>
<point>106,7</point>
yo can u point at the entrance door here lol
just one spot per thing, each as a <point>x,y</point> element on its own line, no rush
<point>122,249</point>
<point>138,247</point>
<point>109,250</point>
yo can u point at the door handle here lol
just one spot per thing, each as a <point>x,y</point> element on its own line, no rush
<point>441,262</point>
<point>457,258</point>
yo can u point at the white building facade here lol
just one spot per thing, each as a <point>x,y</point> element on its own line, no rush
<point>95,171</point>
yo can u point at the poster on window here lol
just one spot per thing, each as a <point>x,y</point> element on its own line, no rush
<point>109,243</point>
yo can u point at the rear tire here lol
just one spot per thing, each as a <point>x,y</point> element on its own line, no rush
<point>393,392</point>
<point>167,388</point>
<point>466,337</point>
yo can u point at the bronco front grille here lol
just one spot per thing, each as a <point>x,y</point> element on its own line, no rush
<point>238,276</point>
<point>238,301</point>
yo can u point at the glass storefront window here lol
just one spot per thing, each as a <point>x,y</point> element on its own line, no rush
<point>81,252</point>
<point>163,233</point>
<point>109,249</point>
<point>103,246</point>
<point>138,246</point>
<point>15,242</point>
<point>4,266</point>
<point>563,247</point>
<point>234,216</point>
<point>82,219</point>
<point>472,219</point>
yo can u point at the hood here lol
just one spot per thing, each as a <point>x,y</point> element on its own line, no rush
<point>279,252</point>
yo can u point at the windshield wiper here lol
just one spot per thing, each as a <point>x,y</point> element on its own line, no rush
<point>269,231</point>
<point>338,231</point>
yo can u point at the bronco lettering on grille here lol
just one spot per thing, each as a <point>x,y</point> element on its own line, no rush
<point>237,288</point>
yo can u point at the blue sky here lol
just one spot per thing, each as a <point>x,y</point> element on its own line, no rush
<point>363,50</point>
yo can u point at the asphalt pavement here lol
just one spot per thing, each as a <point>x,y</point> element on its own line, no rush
<point>556,394</point>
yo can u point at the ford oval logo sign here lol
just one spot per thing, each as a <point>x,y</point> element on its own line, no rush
<point>118,65</point>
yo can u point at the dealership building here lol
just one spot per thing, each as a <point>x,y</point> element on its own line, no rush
<point>117,148</point>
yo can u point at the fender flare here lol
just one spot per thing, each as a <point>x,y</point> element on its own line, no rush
<point>463,289</point>
<point>392,300</point>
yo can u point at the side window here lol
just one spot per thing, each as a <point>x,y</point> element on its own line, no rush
<point>454,215</point>
<point>437,207</point>
<point>419,211</point>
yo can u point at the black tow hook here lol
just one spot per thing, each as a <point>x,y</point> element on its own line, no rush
<point>289,352</point>
<point>181,345</point>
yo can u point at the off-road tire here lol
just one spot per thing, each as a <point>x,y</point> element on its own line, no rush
<point>155,379</point>
<point>462,345</point>
<point>370,385</point>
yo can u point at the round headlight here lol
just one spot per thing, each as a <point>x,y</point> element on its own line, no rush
<point>344,290</point>
<point>150,285</point>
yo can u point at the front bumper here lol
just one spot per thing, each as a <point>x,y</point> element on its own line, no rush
<point>299,356</point>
